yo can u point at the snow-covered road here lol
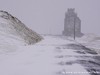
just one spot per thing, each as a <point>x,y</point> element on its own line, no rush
<point>52,56</point>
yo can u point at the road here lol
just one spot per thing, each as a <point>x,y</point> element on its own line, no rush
<point>52,56</point>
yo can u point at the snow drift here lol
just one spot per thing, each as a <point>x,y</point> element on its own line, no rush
<point>13,31</point>
<point>91,41</point>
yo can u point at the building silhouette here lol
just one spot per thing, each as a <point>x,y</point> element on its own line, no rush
<point>72,24</point>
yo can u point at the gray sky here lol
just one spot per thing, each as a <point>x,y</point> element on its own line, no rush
<point>47,16</point>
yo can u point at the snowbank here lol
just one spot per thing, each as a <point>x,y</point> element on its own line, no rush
<point>13,31</point>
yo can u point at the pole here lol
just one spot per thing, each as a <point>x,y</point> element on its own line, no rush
<point>74,28</point>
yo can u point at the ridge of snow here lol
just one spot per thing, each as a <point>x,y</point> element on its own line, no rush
<point>13,29</point>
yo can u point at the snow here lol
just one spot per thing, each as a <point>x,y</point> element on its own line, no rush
<point>91,41</point>
<point>13,31</point>
<point>23,53</point>
<point>39,59</point>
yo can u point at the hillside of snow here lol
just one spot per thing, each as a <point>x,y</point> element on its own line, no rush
<point>14,32</point>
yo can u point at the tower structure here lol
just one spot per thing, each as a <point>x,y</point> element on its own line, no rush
<point>72,24</point>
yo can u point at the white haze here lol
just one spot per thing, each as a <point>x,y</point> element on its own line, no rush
<point>47,16</point>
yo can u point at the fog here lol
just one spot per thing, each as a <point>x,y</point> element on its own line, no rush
<point>47,16</point>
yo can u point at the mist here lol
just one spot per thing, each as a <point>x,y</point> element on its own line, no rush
<point>47,16</point>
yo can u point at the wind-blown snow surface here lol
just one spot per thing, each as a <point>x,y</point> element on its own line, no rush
<point>13,31</point>
<point>52,56</point>
<point>91,41</point>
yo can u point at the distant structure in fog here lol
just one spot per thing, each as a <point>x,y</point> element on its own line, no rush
<point>72,24</point>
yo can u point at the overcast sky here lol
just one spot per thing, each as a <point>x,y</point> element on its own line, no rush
<point>47,16</point>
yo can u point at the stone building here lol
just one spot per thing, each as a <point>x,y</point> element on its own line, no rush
<point>72,24</point>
